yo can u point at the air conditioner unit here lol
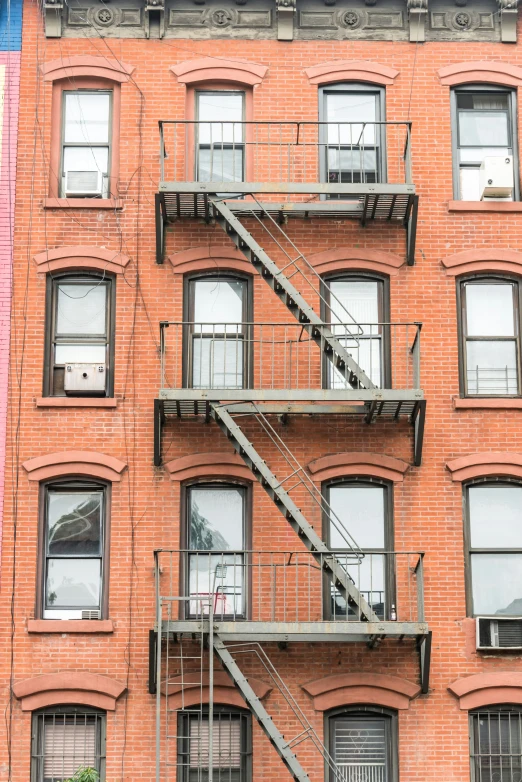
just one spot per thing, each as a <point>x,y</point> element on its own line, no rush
<point>495,633</point>
<point>496,177</point>
<point>83,183</point>
<point>85,379</point>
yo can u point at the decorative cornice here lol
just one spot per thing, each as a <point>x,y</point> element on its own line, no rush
<point>82,688</point>
<point>216,69</point>
<point>65,463</point>
<point>351,70</point>
<point>87,65</point>
<point>487,260</point>
<point>369,688</point>
<point>61,258</point>
<point>481,465</point>
<point>210,259</point>
<point>488,689</point>
<point>352,258</point>
<point>210,464</point>
<point>339,465</point>
<point>483,71</point>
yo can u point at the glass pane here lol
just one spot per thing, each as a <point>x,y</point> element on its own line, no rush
<point>81,308</point>
<point>489,310</point>
<point>87,117</point>
<point>218,576</point>
<point>217,363</point>
<point>216,164</point>
<point>483,128</point>
<point>80,354</point>
<point>477,154</point>
<point>360,511</point>
<point>216,519</point>
<point>219,302</point>
<point>74,523</point>
<point>491,367</point>
<point>494,101</point>
<point>86,159</point>
<point>218,113</point>
<point>360,748</point>
<point>348,111</point>
<point>368,577</point>
<point>355,300</point>
<point>495,516</point>
<point>497,584</point>
<point>470,184</point>
<point>73,583</point>
<point>366,353</point>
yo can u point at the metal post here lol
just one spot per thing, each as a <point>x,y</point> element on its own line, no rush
<point>211,686</point>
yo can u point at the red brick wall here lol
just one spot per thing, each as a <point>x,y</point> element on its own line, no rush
<point>433,733</point>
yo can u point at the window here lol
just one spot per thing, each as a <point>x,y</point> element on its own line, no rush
<point>484,126</point>
<point>218,332</point>
<point>86,143</point>
<point>65,739</point>
<point>360,511</point>
<point>74,562</point>
<point>496,744</point>
<point>220,136</point>
<point>354,145</point>
<point>231,746</point>
<point>217,537</point>
<point>80,336</point>
<point>490,341</point>
<point>494,538</point>
<point>355,306</point>
<point>363,743</point>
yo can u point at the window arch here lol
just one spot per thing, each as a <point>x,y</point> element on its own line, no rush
<point>362,741</point>
<point>359,511</point>
<point>80,334</point>
<point>489,307</point>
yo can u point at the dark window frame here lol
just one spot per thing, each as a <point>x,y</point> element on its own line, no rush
<point>78,484</point>
<point>64,144</point>
<point>38,717</point>
<point>473,717</point>
<point>51,303</point>
<point>353,87</point>
<point>210,482</point>
<point>189,287</point>
<point>246,740</point>
<point>366,712</point>
<point>197,146</point>
<point>389,535</point>
<point>516,282</point>
<point>384,317</point>
<point>513,128</point>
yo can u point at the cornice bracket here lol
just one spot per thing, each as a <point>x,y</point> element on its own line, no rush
<point>417,15</point>
<point>286,11</point>
<point>155,7</point>
<point>508,10</point>
<point>53,18</point>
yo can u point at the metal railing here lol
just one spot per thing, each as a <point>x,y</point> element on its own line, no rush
<point>287,586</point>
<point>284,355</point>
<point>300,152</point>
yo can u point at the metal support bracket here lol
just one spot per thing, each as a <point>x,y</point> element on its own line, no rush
<point>424,649</point>
<point>155,8</point>
<point>161,219</point>
<point>417,15</point>
<point>159,420</point>
<point>286,10</point>
<point>418,422</point>
<point>53,18</point>
<point>411,230</point>
<point>153,654</point>
<point>508,10</point>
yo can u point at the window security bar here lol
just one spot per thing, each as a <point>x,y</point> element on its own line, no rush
<point>239,151</point>
<point>284,356</point>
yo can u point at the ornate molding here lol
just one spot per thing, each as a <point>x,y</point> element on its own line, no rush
<point>98,258</point>
<point>487,689</point>
<point>417,15</point>
<point>351,70</point>
<point>483,465</point>
<point>340,465</point>
<point>217,69</point>
<point>286,11</point>
<point>508,10</point>
<point>488,260</point>
<point>65,463</point>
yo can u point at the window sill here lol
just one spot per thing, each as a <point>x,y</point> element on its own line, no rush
<point>487,404</point>
<point>76,401</point>
<point>70,626</point>
<point>484,206</point>
<point>82,203</point>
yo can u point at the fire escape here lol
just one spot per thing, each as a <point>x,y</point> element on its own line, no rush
<point>250,377</point>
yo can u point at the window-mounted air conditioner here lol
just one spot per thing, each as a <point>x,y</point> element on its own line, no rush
<point>495,633</point>
<point>85,379</point>
<point>496,177</point>
<point>83,183</point>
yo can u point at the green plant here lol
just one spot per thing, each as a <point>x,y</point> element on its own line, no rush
<point>84,774</point>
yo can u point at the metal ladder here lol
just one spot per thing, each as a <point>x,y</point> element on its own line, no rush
<point>319,331</point>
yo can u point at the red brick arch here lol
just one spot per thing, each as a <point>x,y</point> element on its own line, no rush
<point>215,69</point>
<point>210,465</point>
<point>210,259</point>
<point>78,687</point>
<point>346,689</point>
<point>87,65</point>
<point>64,463</point>
<point>354,259</point>
<point>225,692</point>
<point>99,258</point>
<point>488,689</point>
<point>351,70</point>
<point>481,465</point>
<point>340,465</point>
<point>489,260</point>
<point>484,71</point>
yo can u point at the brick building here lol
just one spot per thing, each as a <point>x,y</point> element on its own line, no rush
<point>246,493</point>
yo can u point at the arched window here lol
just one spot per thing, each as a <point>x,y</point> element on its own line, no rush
<point>231,745</point>
<point>66,738</point>
<point>489,310</point>
<point>359,514</point>
<point>496,744</point>
<point>363,743</point>
<point>80,335</point>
